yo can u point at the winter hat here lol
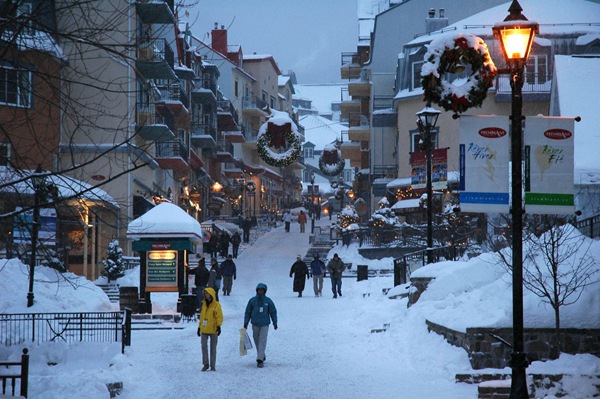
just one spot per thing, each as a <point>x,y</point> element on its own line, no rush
<point>335,256</point>
<point>261,286</point>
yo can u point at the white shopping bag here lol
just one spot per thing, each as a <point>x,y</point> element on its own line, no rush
<point>245,342</point>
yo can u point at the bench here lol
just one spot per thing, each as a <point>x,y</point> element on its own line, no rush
<point>9,377</point>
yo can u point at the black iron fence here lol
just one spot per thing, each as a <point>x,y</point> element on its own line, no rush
<point>589,227</point>
<point>18,328</point>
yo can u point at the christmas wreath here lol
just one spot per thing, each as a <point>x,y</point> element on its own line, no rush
<point>275,133</point>
<point>331,162</point>
<point>451,54</point>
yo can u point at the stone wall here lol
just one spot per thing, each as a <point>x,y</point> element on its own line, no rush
<point>486,351</point>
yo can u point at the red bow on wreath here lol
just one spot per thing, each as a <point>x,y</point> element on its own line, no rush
<point>330,157</point>
<point>278,134</point>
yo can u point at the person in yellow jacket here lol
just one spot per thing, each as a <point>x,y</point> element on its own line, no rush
<point>211,319</point>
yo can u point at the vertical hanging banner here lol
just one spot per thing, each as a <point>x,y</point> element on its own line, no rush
<point>484,161</point>
<point>549,165</point>
<point>439,169</point>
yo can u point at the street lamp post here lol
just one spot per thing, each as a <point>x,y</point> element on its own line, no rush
<point>427,119</point>
<point>38,185</point>
<point>516,35</point>
<point>312,203</point>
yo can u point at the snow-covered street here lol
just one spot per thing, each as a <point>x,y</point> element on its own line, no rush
<point>323,348</point>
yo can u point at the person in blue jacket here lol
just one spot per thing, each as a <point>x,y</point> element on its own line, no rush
<point>260,311</point>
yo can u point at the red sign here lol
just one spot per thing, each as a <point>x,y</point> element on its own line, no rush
<point>558,134</point>
<point>492,132</point>
<point>160,245</point>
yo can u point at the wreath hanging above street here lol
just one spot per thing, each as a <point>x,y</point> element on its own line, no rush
<point>331,162</point>
<point>279,133</point>
<point>452,54</point>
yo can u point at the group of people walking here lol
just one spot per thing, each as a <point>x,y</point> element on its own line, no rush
<point>218,243</point>
<point>300,272</point>
<point>302,219</point>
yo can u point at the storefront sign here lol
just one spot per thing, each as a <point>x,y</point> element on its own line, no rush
<point>161,271</point>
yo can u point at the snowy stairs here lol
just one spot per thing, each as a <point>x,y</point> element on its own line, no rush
<point>157,322</point>
<point>112,291</point>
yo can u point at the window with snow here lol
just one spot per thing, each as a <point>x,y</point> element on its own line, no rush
<point>15,86</point>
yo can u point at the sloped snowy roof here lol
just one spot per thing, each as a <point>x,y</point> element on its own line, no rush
<point>574,76</point>
<point>321,131</point>
<point>68,187</point>
<point>165,220</point>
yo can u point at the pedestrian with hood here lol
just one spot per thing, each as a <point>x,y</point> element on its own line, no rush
<point>211,319</point>
<point>229,273</point>
<point>260,311</point>
<point>300,272</point>
<point>317,268</point>
<point>336,267</point>
<point>214,277</point>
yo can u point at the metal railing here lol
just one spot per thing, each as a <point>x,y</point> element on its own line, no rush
<point>17,328</point>
<point>253,102</point>
<point>533,83</point>
<point>172,149</point>
<point>156,50</point>
<point>589,227</point>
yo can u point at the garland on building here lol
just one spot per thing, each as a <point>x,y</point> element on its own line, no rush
<point>452,54</point>
<point>278,133</point>
<point>330,161</point>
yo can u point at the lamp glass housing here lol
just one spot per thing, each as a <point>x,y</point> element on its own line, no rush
<point>516,40</point>
<point>428,117</point>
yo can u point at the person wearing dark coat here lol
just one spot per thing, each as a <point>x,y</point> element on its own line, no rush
<point>213,244</point>
<point>300,272</point>
<point>246,225</point>
<point>235,244</point>
<point>214,277</point>
<point>229,273</point>
<point>201,275</point>
<point>224,244</point>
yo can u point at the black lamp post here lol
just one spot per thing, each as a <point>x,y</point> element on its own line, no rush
<point>38,182</point>
<point>312,203</point>
<point>427,119</point>
<point>516,35</point>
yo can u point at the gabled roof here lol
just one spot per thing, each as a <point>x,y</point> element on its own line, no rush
<point>260,58</point>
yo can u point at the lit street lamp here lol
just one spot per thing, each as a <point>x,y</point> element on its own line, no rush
<point>38,181</point>
<point>427,119</point>
<point>516,35</point>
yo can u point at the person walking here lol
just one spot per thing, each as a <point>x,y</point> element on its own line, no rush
<point>201,276</point>
<point>287,219</point>
<point>302,220</point>
<point>260,311</point>
<point>213,243</point>
<point>300,272</point>
<point>235,244</point>
<point>246,225</point>
<point>229,273</point>
<point>214,277</point>
<point>330,210</point>
<point>211,319</point>
<point>336,267</point>
<point>317,268</point>
<point>224,244</point>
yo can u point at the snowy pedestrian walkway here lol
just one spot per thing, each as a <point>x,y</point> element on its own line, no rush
<point>323,348</point>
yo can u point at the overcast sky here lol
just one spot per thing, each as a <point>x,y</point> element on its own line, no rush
<point>306,36</point>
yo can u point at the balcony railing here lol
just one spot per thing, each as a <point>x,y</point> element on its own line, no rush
<point>253,102</point>
<point>156,50</point>
<point>172,149</point>
<point>357,119</point>
<point>385,171</point>
<point>533,83</point>
<point>382,102</point>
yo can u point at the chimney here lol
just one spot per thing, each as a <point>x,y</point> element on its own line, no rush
<point>219,39</point>
<point>433,24</point>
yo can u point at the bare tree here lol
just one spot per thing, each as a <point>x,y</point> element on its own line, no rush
<point>558,267</point>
